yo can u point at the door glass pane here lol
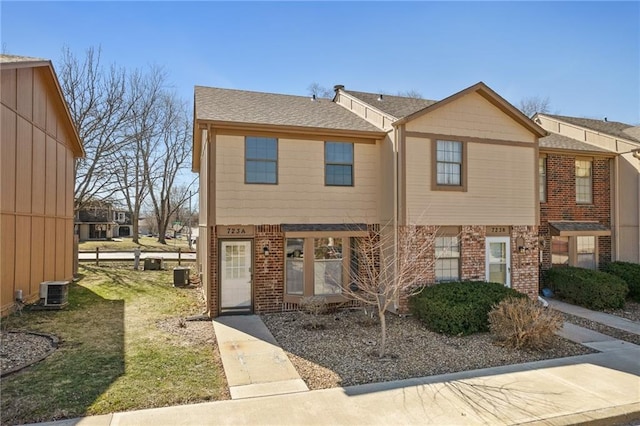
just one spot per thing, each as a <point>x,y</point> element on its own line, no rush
<point>498,263</point>
<point>295,265</point>
<point>327,266</point>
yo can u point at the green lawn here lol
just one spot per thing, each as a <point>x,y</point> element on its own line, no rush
<point>113,356</point>
<point>146,244</point>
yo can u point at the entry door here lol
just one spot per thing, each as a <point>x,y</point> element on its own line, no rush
<point>235,276</point>
<point>498,260</point>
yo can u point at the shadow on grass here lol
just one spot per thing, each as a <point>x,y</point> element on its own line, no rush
<point>89,359</point>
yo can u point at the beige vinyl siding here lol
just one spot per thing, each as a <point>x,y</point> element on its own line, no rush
<point>37,180</point>
<point>300,195</point>
<point>386,179</point>
<point>500,190</point>
<point>472,116</point>
<point>364,111</point>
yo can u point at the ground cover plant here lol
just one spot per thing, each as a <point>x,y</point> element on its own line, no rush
<point>585,287</point>
<point>121,348</point>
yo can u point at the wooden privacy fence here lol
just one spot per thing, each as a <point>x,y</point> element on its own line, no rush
<point>134,256</point>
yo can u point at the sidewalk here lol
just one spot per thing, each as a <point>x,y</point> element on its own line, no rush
<point>601,317</point>
<point>599,388</point>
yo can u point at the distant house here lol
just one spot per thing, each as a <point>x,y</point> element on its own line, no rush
<point>290,185</point>
<point>603,187</point>
<point>38,149</point>
<point>99,220</point>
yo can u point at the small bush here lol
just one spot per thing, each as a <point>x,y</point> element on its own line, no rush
<point>585,287</point>
<point>630,273</point>
<point>314,306</point>
<point>523,323</point>
<point>459,308</point>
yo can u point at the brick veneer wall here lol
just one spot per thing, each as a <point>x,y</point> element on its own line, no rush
<point>561,201</point>
<point>268,278</point>
<point>524,266</point>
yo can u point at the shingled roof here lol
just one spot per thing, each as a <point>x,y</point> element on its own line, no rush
<point>395,106</point>
<point>15,59</point>
<point>555,141</point>
<point>258,108</point>
<point>613,128</point>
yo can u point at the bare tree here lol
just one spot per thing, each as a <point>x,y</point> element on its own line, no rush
<point>142,133</point>
<point>412,93</point>
<point>99,106</point>
<point>391,263</point>
<point>533,104</point>
<point>168,159</point>
<point>319,91</point>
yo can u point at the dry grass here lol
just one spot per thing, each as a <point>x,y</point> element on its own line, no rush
<point>115,353</point>
<point>127,244</point>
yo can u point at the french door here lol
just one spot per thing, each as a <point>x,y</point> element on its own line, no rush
<point>236,276</point>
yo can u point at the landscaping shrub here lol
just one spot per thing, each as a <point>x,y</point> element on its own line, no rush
<point>459,308</point>
<point>314,306</point>
<point>630,273</point>
<point>585,287</point>
<point>523,323</point>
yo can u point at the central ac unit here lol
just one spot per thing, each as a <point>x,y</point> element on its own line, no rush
<point>54,294</point>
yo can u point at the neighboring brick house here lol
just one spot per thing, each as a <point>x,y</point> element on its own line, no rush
<point>575,203</point>
<point>614,149</point>
<point>38,149</point>
<point>288,185</point>
<point>99,220</point>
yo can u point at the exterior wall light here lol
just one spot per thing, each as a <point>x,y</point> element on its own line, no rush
<point>265,250</point>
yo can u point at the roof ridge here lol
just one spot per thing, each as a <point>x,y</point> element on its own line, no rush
<point>255,92</point>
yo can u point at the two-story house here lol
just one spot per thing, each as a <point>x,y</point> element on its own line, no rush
<point>100,220</point>
<point>604,188</point>
<point>289,184</point>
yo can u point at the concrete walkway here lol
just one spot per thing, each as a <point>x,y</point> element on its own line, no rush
<point>254,363</point>
<point>599,388</point>
<point>600,317</point>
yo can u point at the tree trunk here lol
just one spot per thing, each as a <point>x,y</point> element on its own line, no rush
<point>383,333</point>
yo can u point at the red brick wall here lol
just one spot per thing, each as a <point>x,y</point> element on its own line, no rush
<point>561,201</point>
<point>268,277</point>
<point>525,265</point>
<point>472,253</point>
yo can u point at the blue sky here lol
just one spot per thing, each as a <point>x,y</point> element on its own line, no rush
<point>583,55</point>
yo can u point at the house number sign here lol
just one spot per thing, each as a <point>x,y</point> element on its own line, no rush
<point>236,231</point>
<point>499,230</point>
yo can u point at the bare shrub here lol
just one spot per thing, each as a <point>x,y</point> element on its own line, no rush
<point>523,323</point>
<point>314,306</point>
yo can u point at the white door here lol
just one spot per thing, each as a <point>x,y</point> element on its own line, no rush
<point>235,276</point>
<point>498,260</point>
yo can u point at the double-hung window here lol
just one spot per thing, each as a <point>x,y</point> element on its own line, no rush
<point>583,182</point>
<point>542,173</point>
<point>338,164</point>
<point>449,165</point>
<point>261,160</point>
<point>447,258</point>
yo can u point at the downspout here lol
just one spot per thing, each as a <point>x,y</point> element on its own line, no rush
<point>616,207</point>
<point>636,154</point>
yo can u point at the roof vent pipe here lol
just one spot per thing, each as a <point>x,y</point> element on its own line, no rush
<point>313,98</point>
<point>380,97</point>
<point>605,119</point>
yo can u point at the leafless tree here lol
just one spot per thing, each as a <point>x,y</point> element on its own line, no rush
<point>99,106</point>
<point>412,93</point>
<point>319,91</point>
<point>533,104</point>
<point>142,133</point>
<point>392,263</point>
<point>168,159</point>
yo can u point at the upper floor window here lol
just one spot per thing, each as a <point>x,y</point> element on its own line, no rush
<point>542,172</point>
<point>583,182</point>
<point>338,163</point>
<point>261,160</point>
<point>449,165</point>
